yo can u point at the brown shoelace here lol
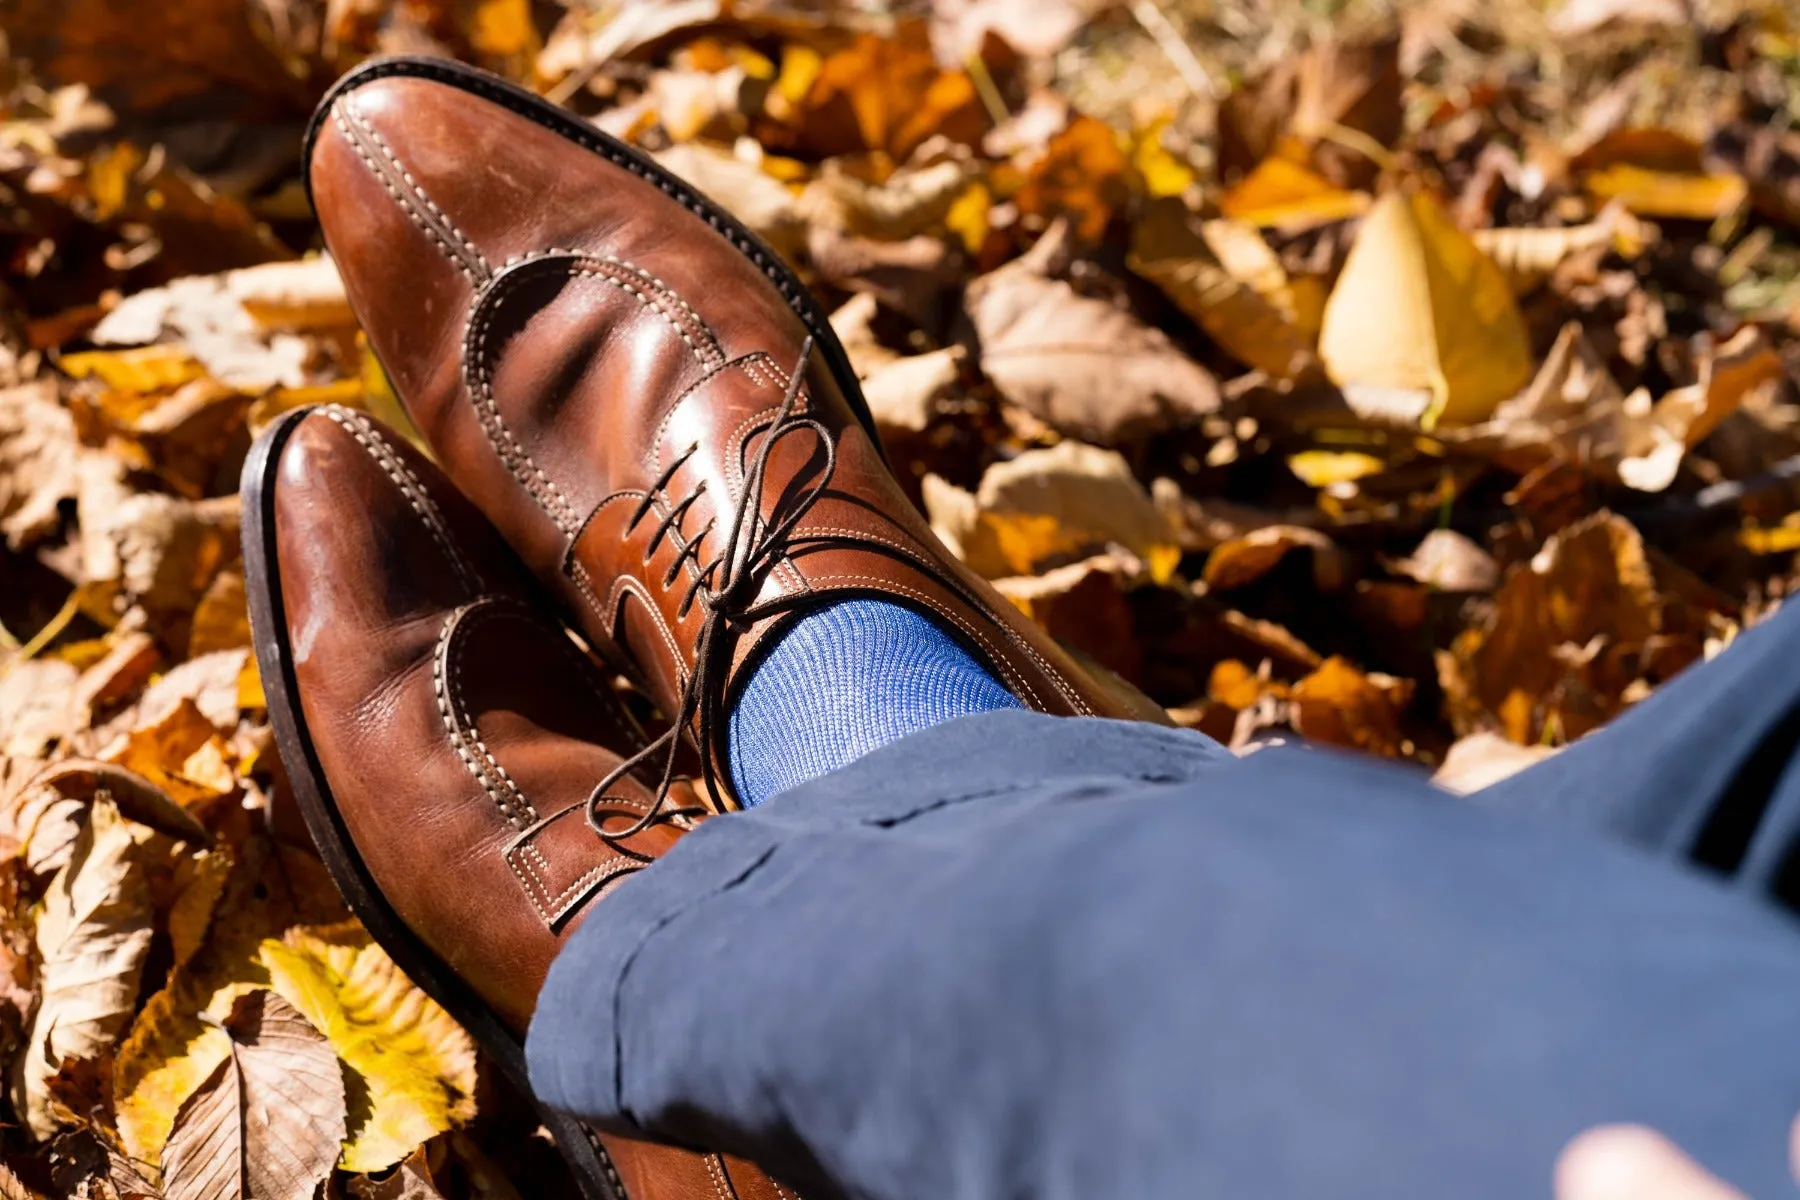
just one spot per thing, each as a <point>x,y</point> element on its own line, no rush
<point>751,548</point>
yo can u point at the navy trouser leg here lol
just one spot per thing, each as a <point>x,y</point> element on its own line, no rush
<point>1020,956</point>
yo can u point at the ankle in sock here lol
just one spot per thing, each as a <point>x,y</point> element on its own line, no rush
<point>843,680</point>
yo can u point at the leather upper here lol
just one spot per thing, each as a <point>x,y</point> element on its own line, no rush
<point>460,730</point>
<point>599,365</point>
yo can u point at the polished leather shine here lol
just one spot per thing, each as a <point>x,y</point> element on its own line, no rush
<point>458,730</point>
<point>597,358</point>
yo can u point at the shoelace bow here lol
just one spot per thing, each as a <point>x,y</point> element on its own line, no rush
<point>750,548</point>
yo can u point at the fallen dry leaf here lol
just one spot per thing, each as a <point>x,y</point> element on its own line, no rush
<point>1334,109</point>
<point>92,937</point>
<point>1243,560</point>
<point>1085,367</point>
<point>1484,759</point>
<point>38,453</point>
<point>416,1064</point>
<point>268,1122</point>
<point>1224,276</point>
<point>1422,325</point>
<point>1047,507</point>
<point>1449,562</point>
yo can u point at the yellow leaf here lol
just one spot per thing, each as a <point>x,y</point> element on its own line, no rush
<point>800,66</point>
<point>1224,276</point>
<point>146,369</point>
<point>1678,195</point>
<point>1340,705</point>
<point>1420,309</point>
<point>1773,539</point>
<point>1163,174</point>
<point>343,391</point>
<point>1235,686</point>
<point>416,1062</point>
<point>1283,195</point>
<point>968,216</point>
<point>109,178</point>
<point>250,687</point>
<point>171,1050</point>
<point>1322,468</point>
<point>503,28</point>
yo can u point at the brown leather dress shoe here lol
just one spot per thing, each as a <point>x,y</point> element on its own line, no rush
<point>442,734</point>
<point>635,390</point>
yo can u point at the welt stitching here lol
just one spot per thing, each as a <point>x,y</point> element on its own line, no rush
<point>402,477</point>
<point>679,193</point>
<point>413,184</point>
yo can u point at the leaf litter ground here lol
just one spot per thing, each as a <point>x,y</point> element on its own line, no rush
<point>1415,378</point>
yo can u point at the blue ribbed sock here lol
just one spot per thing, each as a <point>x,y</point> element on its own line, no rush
<point>843,680</point>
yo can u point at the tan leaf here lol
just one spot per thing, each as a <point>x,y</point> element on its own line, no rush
<point>1034,28</point>
<point>209,319</point>
<point>38,455</point>
<point>1484,759</point>
<point>81,781</point>
<point>1064,503</point>
<point>1449,562</point>
<point>416,1063</point>
<point>904,394</point>
<point>1083,366</point>
<point>92,937</point>
<point>744,190</point>
<point>268,1123</point>
<point>1529,255</point>
<point>909,202</point>
<point>1246,559</point>
<point>410,1181</point>
<point>1419,309</point>
<point>627,29</point>
<point>1224,276</point>
<point>1574,18</point>
<point>1083,605</point>
<point>39,704</point>
<point>172,1048</point>
<point>1575,411</point>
